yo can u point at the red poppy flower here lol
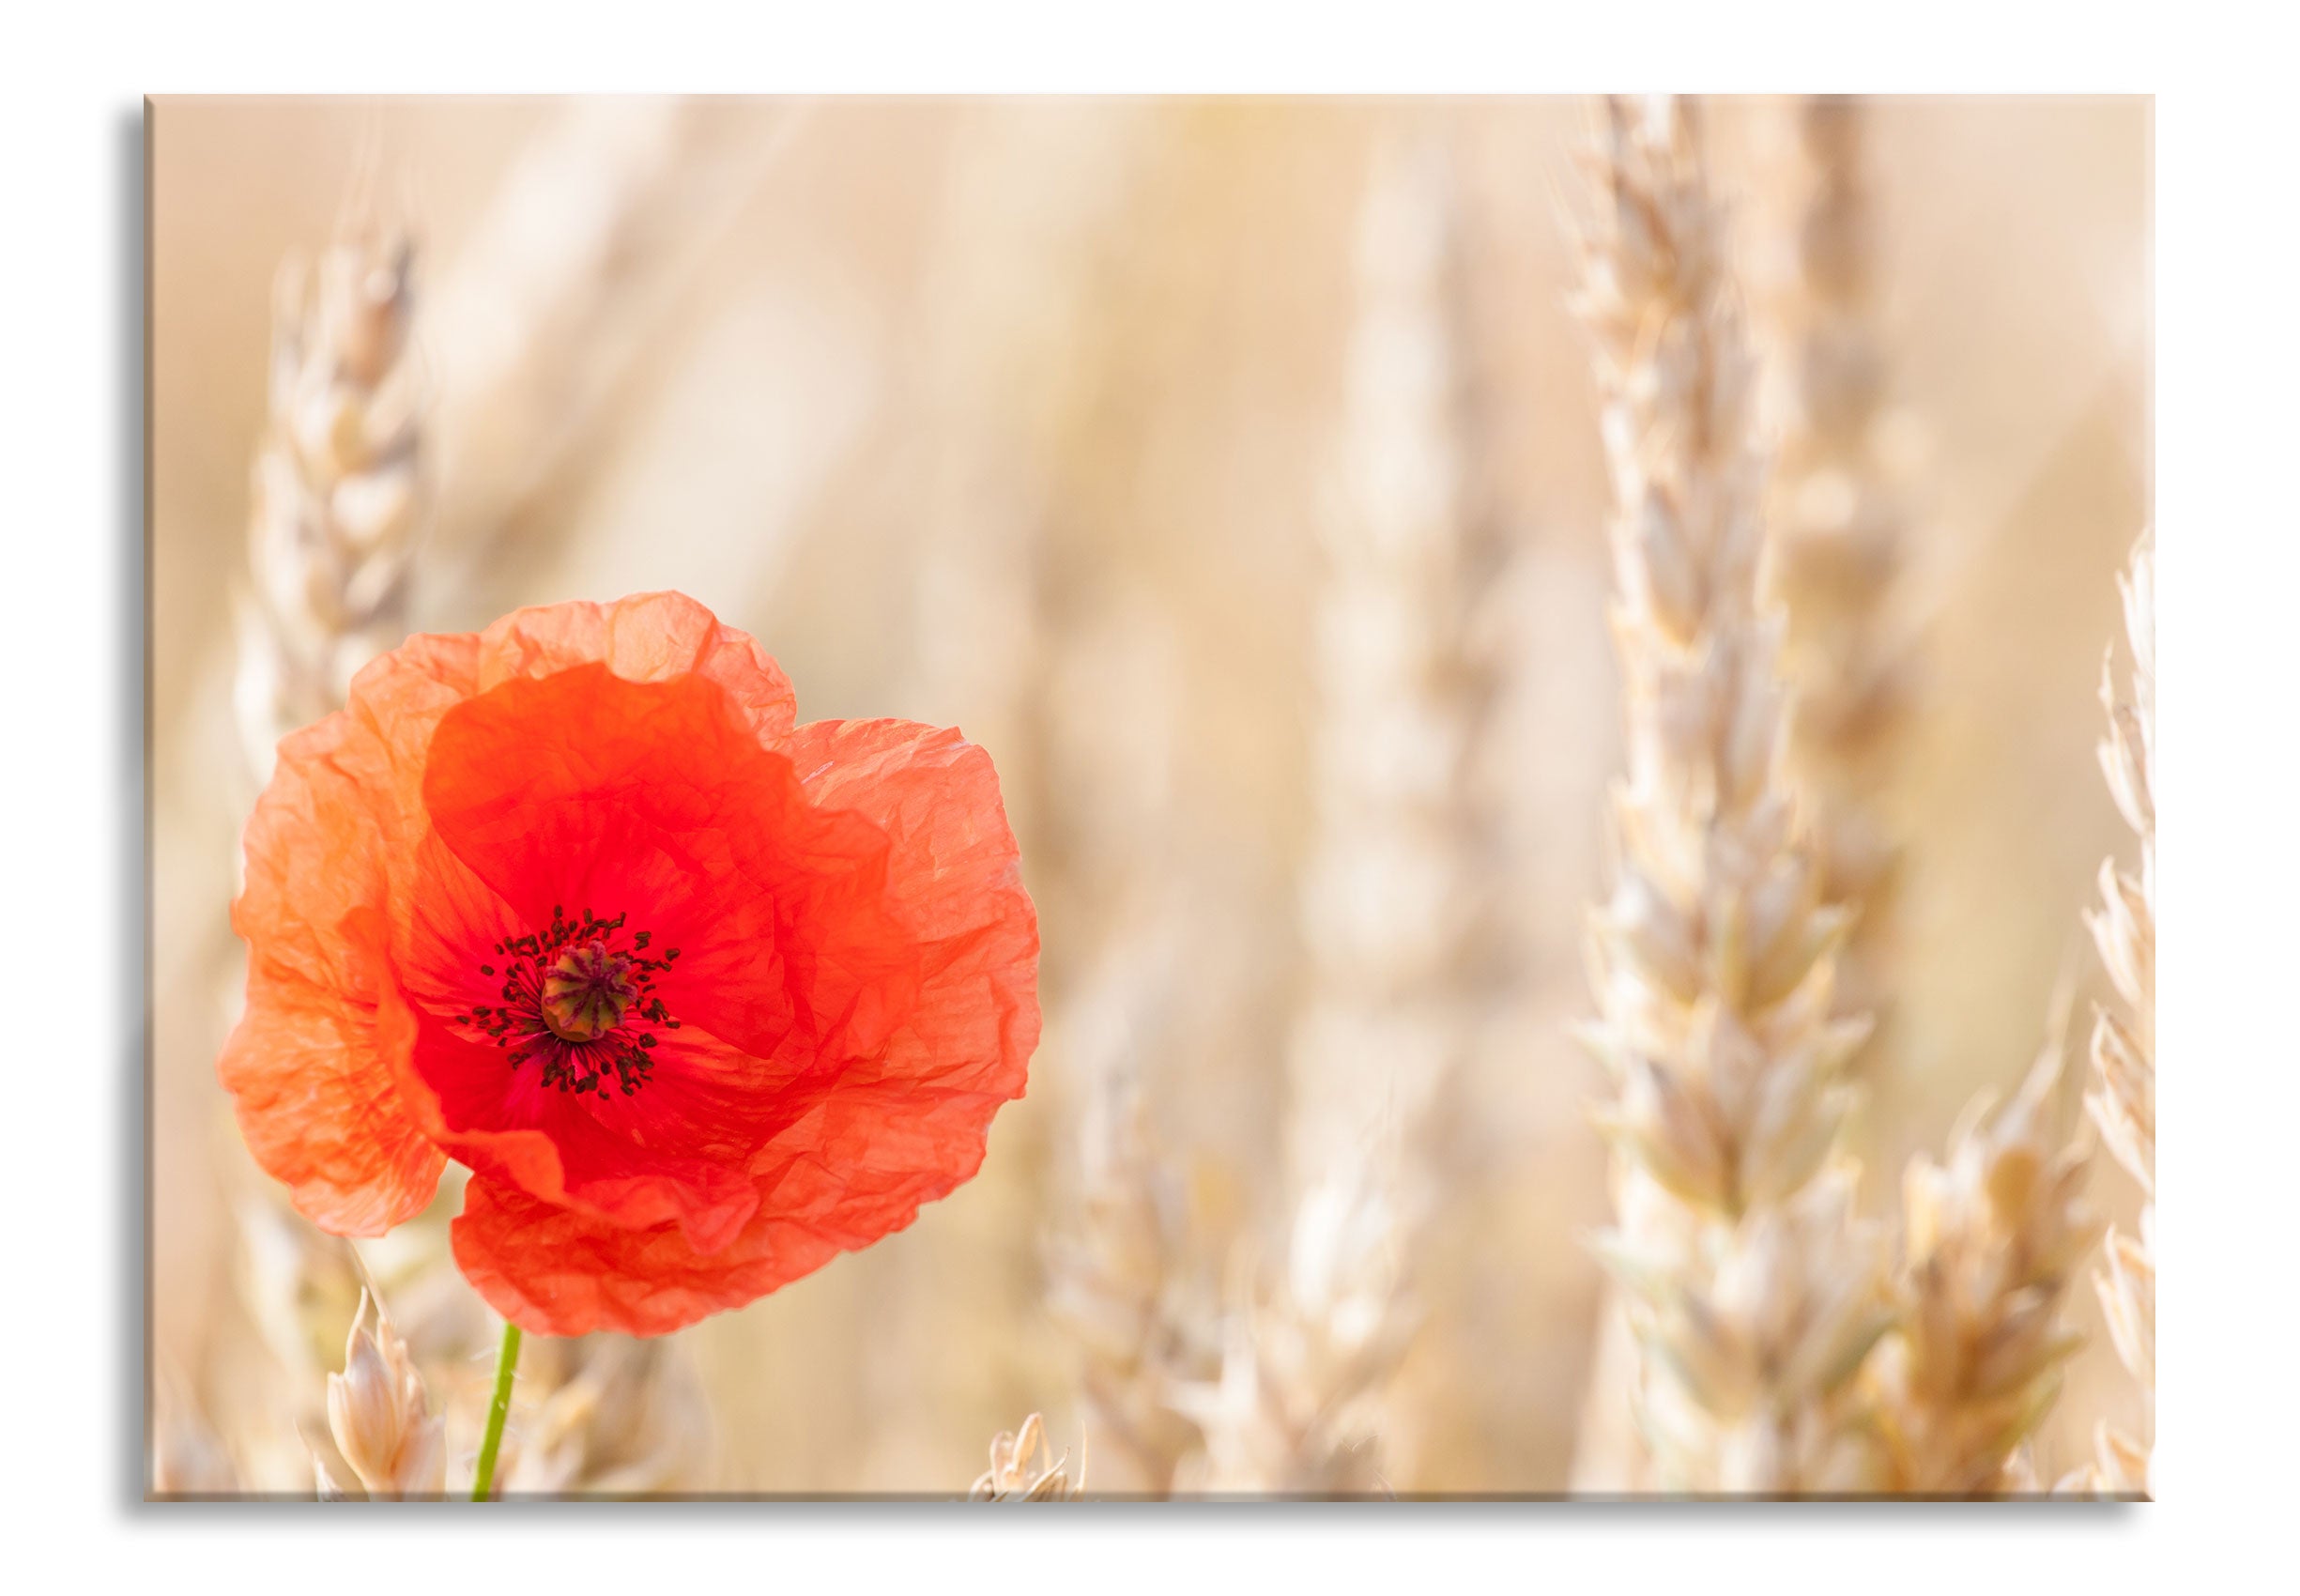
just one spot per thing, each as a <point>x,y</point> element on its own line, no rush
<point>701,997</point>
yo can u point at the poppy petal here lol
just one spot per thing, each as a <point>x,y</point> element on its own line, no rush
<point>558,1272</point>
<point>954,880</point>
<point>649,799</point>
<point>311,1074</point>
<point>921,1103</point>
<point>633,1160</point>
<point>645,637</point>
<point>583,791</point>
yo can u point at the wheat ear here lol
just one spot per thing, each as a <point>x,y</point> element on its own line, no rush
<point>1753,1290</point>
<point>1838,548</point>
<point>2122,1098</point>
<point>337,483</point>
<point>1393,904</point>
<point>1294,1410</point>
<point>1017,1474</point>
<point>1393,897</point>
<point>1119,1282</point>
<point>1992,1239</point>
<point>379,1415</point>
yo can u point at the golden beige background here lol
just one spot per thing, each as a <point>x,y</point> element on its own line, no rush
<point>1023,416</point>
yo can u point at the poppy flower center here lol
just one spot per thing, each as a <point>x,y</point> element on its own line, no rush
<point>586,992</point>
<point>579,998</point>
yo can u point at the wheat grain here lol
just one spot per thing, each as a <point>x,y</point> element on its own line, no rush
<point>1015,1477</point>
<point>1754,1291</point>
<point>380,1416</point>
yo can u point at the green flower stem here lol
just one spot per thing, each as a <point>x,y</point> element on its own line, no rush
<point>499,1408</point>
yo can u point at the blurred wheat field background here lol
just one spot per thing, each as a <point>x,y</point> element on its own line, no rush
<point>1114,433</point>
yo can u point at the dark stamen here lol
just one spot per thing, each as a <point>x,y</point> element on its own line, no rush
<point>580,1001</point>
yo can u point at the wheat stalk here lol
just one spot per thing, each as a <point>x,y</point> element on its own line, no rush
<point>2122,1098</point>
<point>379,1415</point>
<point>1837,549</point>
<point>1992,1238</point>
<point>1392,900</point>
<point>337,482</point>
<point>1754,1291</point>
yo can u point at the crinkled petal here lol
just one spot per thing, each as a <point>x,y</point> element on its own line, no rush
<point>634,1160</point>
<point>857,1170</point>
<point>595,793</point>
<point>879,1130</point>
<point>558,1272</point>
<point>587,792</point>
<point>908,1119</point>
<point>319,1108</point>
<point>312,1079</point>
<point>645,637</point>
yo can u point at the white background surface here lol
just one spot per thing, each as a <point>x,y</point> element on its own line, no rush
<point>70,397</point>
